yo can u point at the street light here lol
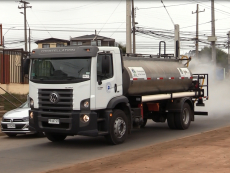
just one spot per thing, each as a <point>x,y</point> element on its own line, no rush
<point>5,34</point>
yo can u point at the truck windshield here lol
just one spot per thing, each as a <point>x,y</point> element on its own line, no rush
<point>57,69</point>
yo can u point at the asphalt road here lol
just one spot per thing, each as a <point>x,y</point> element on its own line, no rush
<point>30,154</point>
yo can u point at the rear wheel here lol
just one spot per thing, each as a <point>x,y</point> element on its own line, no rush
<point>183,119</point>
<point>11,134</point>
<point>55,137</point>
<point>171,121</point>
<point>118,128</point>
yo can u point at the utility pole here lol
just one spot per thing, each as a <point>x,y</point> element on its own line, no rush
<point>29,42</point>
<point>133,23</point>
<point>128,26</point>
<point>25,29</point>
<point>228,56</point>
<point>213,33</point>
<point>197,28</point>
<point>177,40</point>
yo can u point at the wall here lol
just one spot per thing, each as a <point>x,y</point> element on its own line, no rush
<point>15,88</point>
<point>52,45</point>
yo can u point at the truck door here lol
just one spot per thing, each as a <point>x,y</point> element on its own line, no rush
<point>106,82</point>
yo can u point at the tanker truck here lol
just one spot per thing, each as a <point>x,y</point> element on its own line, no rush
<point>97,91</point>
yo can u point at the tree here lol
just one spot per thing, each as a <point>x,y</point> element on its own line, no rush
<point>122,47</point>
<point>221,57</point>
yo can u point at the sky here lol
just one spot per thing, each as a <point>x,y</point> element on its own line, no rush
<point>66,19</point>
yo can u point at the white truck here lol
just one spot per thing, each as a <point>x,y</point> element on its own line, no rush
<point>96,91</point>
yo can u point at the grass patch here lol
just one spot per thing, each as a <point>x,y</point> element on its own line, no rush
<point>8,106</point>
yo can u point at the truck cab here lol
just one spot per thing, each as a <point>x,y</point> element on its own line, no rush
<point>69,86</point>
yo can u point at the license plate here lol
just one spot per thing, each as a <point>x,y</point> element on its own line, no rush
<point>53,121</point>
<point>11,126</point>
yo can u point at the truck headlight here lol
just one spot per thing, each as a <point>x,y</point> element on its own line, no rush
<point>31,102</point>
<point>31,115</point>
<point>85,118</point>
<point>86,104</point>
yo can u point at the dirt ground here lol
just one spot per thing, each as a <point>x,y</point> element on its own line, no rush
<point>208,152</point>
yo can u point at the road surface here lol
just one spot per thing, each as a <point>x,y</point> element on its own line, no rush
<point>30,154</point>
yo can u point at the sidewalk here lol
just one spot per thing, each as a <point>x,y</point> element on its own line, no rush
<point>207,152</point>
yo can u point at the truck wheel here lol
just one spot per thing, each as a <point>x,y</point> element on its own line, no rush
<point>118,128</point>
<point>39,134</point>
<point>171,121</point>
<point>55,137</point>
<point>11,134</point>
<point>183,119</point>
<point>144,123</point>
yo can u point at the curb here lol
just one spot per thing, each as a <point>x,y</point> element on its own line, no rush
<point>2,134</point>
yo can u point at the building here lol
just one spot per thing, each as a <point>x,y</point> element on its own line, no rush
<point>52,42</point>
<point>91,40</point>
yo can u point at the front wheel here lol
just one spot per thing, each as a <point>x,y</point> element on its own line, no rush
<point>55,137</point>
<point>118,128</point>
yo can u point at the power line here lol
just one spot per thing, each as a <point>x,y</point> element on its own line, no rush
<point>167,11</point>
<point>109,17</point>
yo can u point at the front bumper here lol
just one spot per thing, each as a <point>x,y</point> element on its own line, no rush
<point>70,123</point>
<point>20,128</point>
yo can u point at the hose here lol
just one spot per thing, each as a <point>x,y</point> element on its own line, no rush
<point>188,59</point>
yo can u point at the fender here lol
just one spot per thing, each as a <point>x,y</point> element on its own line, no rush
<point>116,100</point>
<point>177,104</point>
<point>122,103</point>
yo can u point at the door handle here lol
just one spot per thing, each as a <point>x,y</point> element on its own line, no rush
<point>115,88</point>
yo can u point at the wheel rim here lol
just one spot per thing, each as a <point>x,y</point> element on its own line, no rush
<point>186,116</point>
<point>119,127</point>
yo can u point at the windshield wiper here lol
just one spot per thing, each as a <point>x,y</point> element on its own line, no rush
<point>42,78</point>
<point>71,78</point>
<point>80,70</point>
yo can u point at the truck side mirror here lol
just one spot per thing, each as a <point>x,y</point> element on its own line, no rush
<point>105,64</point>
<point>26,63</point>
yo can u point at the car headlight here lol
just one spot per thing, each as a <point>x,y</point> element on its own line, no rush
<point>25,119</point>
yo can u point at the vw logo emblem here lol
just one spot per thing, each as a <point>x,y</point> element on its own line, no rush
<point>54,97</point>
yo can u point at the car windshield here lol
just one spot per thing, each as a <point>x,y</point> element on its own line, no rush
<point>24,105</point>
<point>59,69</point>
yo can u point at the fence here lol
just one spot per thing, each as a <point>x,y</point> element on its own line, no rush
<point>11,66</point>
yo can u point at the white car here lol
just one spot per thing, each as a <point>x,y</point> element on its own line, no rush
<point>16,121</point>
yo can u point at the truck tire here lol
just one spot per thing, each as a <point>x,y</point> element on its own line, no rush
<point>183,119</point>
<point>39,134</point>
<point>11,134</point>
<point>144,123</point>
<point>55,137</point>
<point>171,120</point>
<point>118,128</point>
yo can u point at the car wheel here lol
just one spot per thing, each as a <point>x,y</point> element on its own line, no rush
<point>118,128</point>
<point>11,134</point>
<point>55,137</point>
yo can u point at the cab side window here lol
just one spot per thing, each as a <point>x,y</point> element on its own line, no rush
<point>100,75</point>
